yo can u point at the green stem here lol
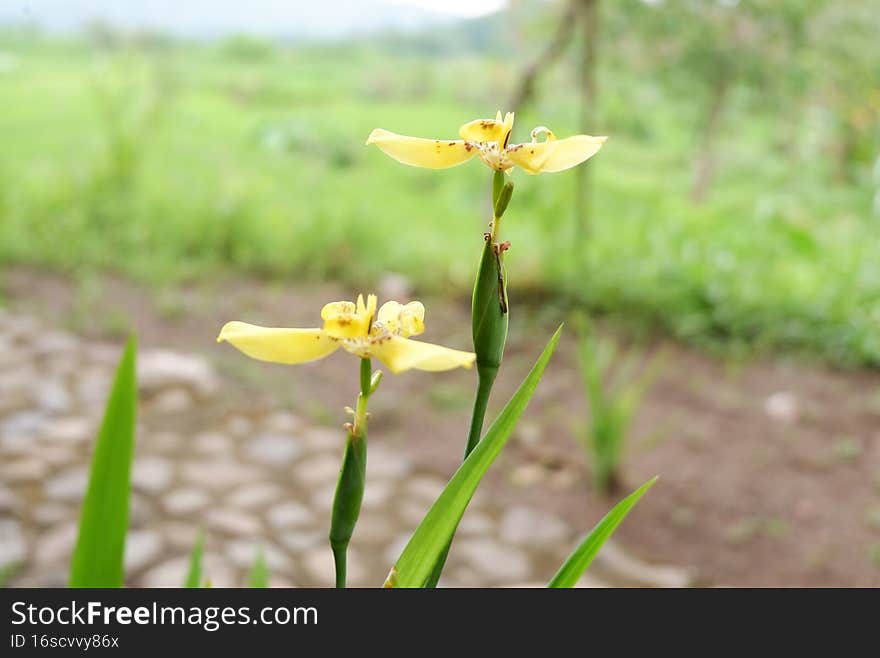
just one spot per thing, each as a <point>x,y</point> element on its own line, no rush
<point>352,476</point>
<point>489,328</point>
<point>340,560</point>
<point>485,379</point>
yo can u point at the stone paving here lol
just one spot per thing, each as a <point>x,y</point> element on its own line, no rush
<point>252,477</point>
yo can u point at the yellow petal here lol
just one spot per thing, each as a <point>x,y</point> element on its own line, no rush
<point>367,310</point>
<point>508,126</point>
<point>389,312</point>
<point>278,345</point>
<point>418,152</point>
<point>484,130</point>
<point>488,130</point>
<point>345,320</point>
<point>554,155</point>
<point>401,354</point>
<point>403,320</point>
<point>333,309</point>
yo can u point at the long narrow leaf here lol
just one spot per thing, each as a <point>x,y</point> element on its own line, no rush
<point>416,563</point>
<point>259,577</point>
<point>577,563</point>
<point>103,522</point>
<point>194,576</point>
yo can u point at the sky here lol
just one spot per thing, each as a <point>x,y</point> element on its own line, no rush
<point>455,7</point>
<point>207,19</point>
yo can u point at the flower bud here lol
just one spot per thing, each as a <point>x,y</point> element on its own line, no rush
<point>503,199</point>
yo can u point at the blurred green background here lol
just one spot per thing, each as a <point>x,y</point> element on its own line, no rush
<point>735,204</point>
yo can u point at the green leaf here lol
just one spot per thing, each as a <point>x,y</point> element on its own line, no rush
<point>7,571</point>
<point>103,522</point>
<point>194,577</point>
<point>259,577</point>
<point>428,543</point>
<point>577,563</point>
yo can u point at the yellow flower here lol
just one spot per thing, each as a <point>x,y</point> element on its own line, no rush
<point>489,139</point>
<point>358,329</point>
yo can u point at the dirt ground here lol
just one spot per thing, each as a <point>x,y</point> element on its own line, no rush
<point>769,469</point>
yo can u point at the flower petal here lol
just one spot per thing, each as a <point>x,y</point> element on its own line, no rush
<point>278,345</point>
<point>554,155</point>
<point>401,354</point>
<point>418,152</point>
<point>332,309</point>
<point>482,130</point>
<point>367,310</point>
<point>347,320</point>
<point>403,320</point>
<point>389,312</point>
<point>488,130</point>
<point>508,126</point>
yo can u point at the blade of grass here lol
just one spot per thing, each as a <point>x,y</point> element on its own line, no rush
<point>428,543</point>
<point>100,546</point>
<point>259,577</point>
<point>194,576</point>
<point>577,563</point>
<point>7,571</point>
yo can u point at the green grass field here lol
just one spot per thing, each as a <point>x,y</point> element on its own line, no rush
<point>180,162</point>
